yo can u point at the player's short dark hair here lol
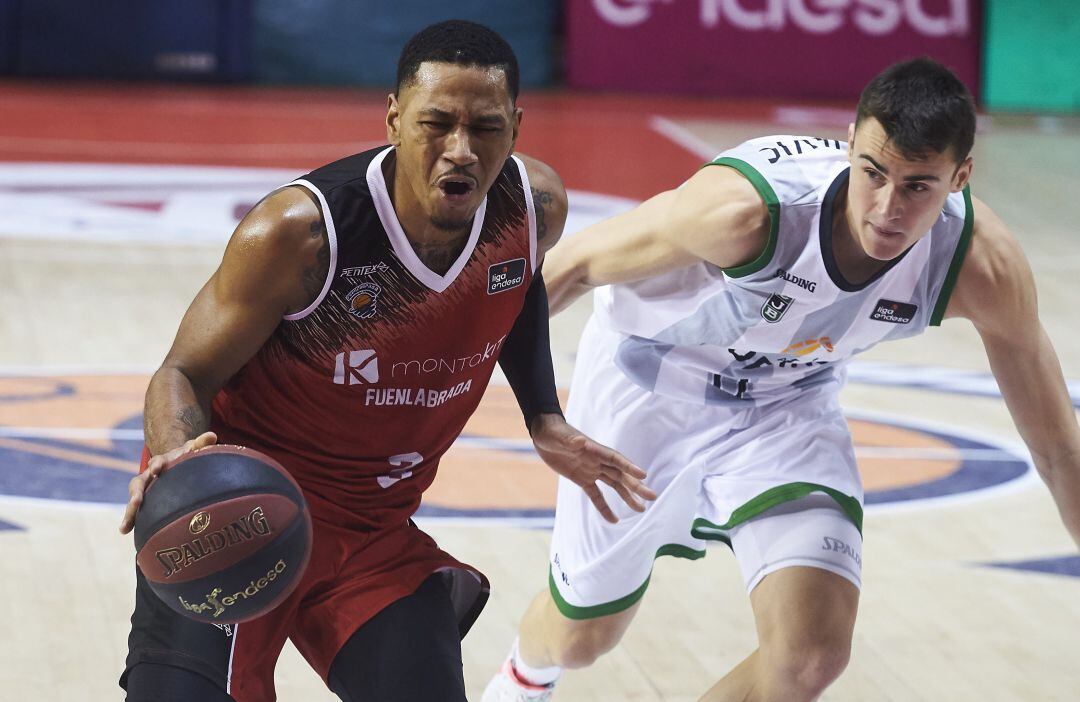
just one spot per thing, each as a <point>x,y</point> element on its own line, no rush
<point>459,42</point>
<point>922,107</point>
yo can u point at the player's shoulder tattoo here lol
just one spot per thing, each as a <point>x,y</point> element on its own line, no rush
<point>314,273</point>
<point>542,203</point>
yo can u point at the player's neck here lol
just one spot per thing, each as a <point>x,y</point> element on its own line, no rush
<point>855,265</point>
<point>436,247</point>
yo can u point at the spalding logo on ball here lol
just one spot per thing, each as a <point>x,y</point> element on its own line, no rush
<point>224,535</point>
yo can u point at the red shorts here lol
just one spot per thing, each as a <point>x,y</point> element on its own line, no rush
<point>350,578</point>
<point>352,575</point>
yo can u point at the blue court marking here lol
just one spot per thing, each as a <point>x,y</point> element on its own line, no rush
<point>32,475</point>
<point>973,474</point>
<point>998,468</point>
<point>25,474</point>
<point>1066,565</point>
<point>952,381</point>
<point>61,389</point>
<point>8,526</point>
<point>28,474</point>
<point>124,449</point>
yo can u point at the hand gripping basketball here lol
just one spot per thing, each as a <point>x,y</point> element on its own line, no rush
<point>224,535</point>
<point>138,485</point>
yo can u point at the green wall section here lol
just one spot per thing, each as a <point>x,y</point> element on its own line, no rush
<point>1031,55</point>
<point>357,42</point>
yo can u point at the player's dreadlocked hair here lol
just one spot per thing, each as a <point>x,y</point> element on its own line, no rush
<point>462,43</point>
<point>922,107</point>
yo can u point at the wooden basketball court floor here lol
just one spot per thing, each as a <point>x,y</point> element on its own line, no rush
<point>116,202</point>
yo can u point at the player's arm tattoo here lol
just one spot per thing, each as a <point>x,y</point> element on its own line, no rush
<point>314,275</point>
<point>542,202</point>
<point>192,419</point>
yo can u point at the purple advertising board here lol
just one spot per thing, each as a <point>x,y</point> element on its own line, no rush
<point>825,49</point>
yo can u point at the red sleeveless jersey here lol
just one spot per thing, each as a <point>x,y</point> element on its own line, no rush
<point>360,394</point>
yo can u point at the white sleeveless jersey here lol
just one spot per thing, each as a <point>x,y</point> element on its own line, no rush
<point>788,320</point>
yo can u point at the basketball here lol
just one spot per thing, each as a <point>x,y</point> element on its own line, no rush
<point>224,535</point>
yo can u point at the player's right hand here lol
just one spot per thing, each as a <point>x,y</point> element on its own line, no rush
<point>155,467</point>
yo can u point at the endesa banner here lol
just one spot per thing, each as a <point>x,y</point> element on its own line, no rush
<point>764,48</point>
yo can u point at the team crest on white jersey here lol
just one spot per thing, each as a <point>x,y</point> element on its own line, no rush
<point>776,307</point>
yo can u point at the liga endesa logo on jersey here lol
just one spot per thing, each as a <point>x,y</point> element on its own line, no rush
<point>893,311</point>
<point>506,275</point>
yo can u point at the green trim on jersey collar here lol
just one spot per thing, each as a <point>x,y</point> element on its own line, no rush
<point>957,261</point>
<point>771,201</point>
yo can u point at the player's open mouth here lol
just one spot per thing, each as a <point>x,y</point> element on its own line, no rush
<point>456,188</point>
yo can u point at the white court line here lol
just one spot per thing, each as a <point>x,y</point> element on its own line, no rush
<point>683,137</point>
<point>73,433</point>
<point>519,445</point>
<point>19,371</point>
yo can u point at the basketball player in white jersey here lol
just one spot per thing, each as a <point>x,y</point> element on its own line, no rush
<point>715,355</point>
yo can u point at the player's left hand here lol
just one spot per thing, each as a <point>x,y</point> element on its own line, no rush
<point>581,460</point>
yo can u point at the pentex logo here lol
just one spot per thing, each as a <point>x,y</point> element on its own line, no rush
<point>775,307</point>
<point>359,271</point>
<point>893,311</point>
<point>362,368</point>
<point>506,275</point>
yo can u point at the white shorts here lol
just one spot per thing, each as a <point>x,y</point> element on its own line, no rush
<point>777,483</point>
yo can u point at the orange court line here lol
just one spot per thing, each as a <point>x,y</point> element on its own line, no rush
<point>68,455</point>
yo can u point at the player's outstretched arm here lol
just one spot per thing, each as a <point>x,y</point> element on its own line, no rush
<point>275,264</point>
<point>716,216</point>
<point>996,291</point>
<point>526,361</point>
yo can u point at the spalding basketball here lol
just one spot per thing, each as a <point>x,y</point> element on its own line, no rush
<point>224,535</point>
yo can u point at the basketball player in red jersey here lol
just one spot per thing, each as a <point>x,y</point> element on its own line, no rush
<point>349,332</point>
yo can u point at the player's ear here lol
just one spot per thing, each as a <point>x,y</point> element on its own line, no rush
<point>516,126</point>
<point>393,120</point>
<point>962,175</point>
<point>851,139</point>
